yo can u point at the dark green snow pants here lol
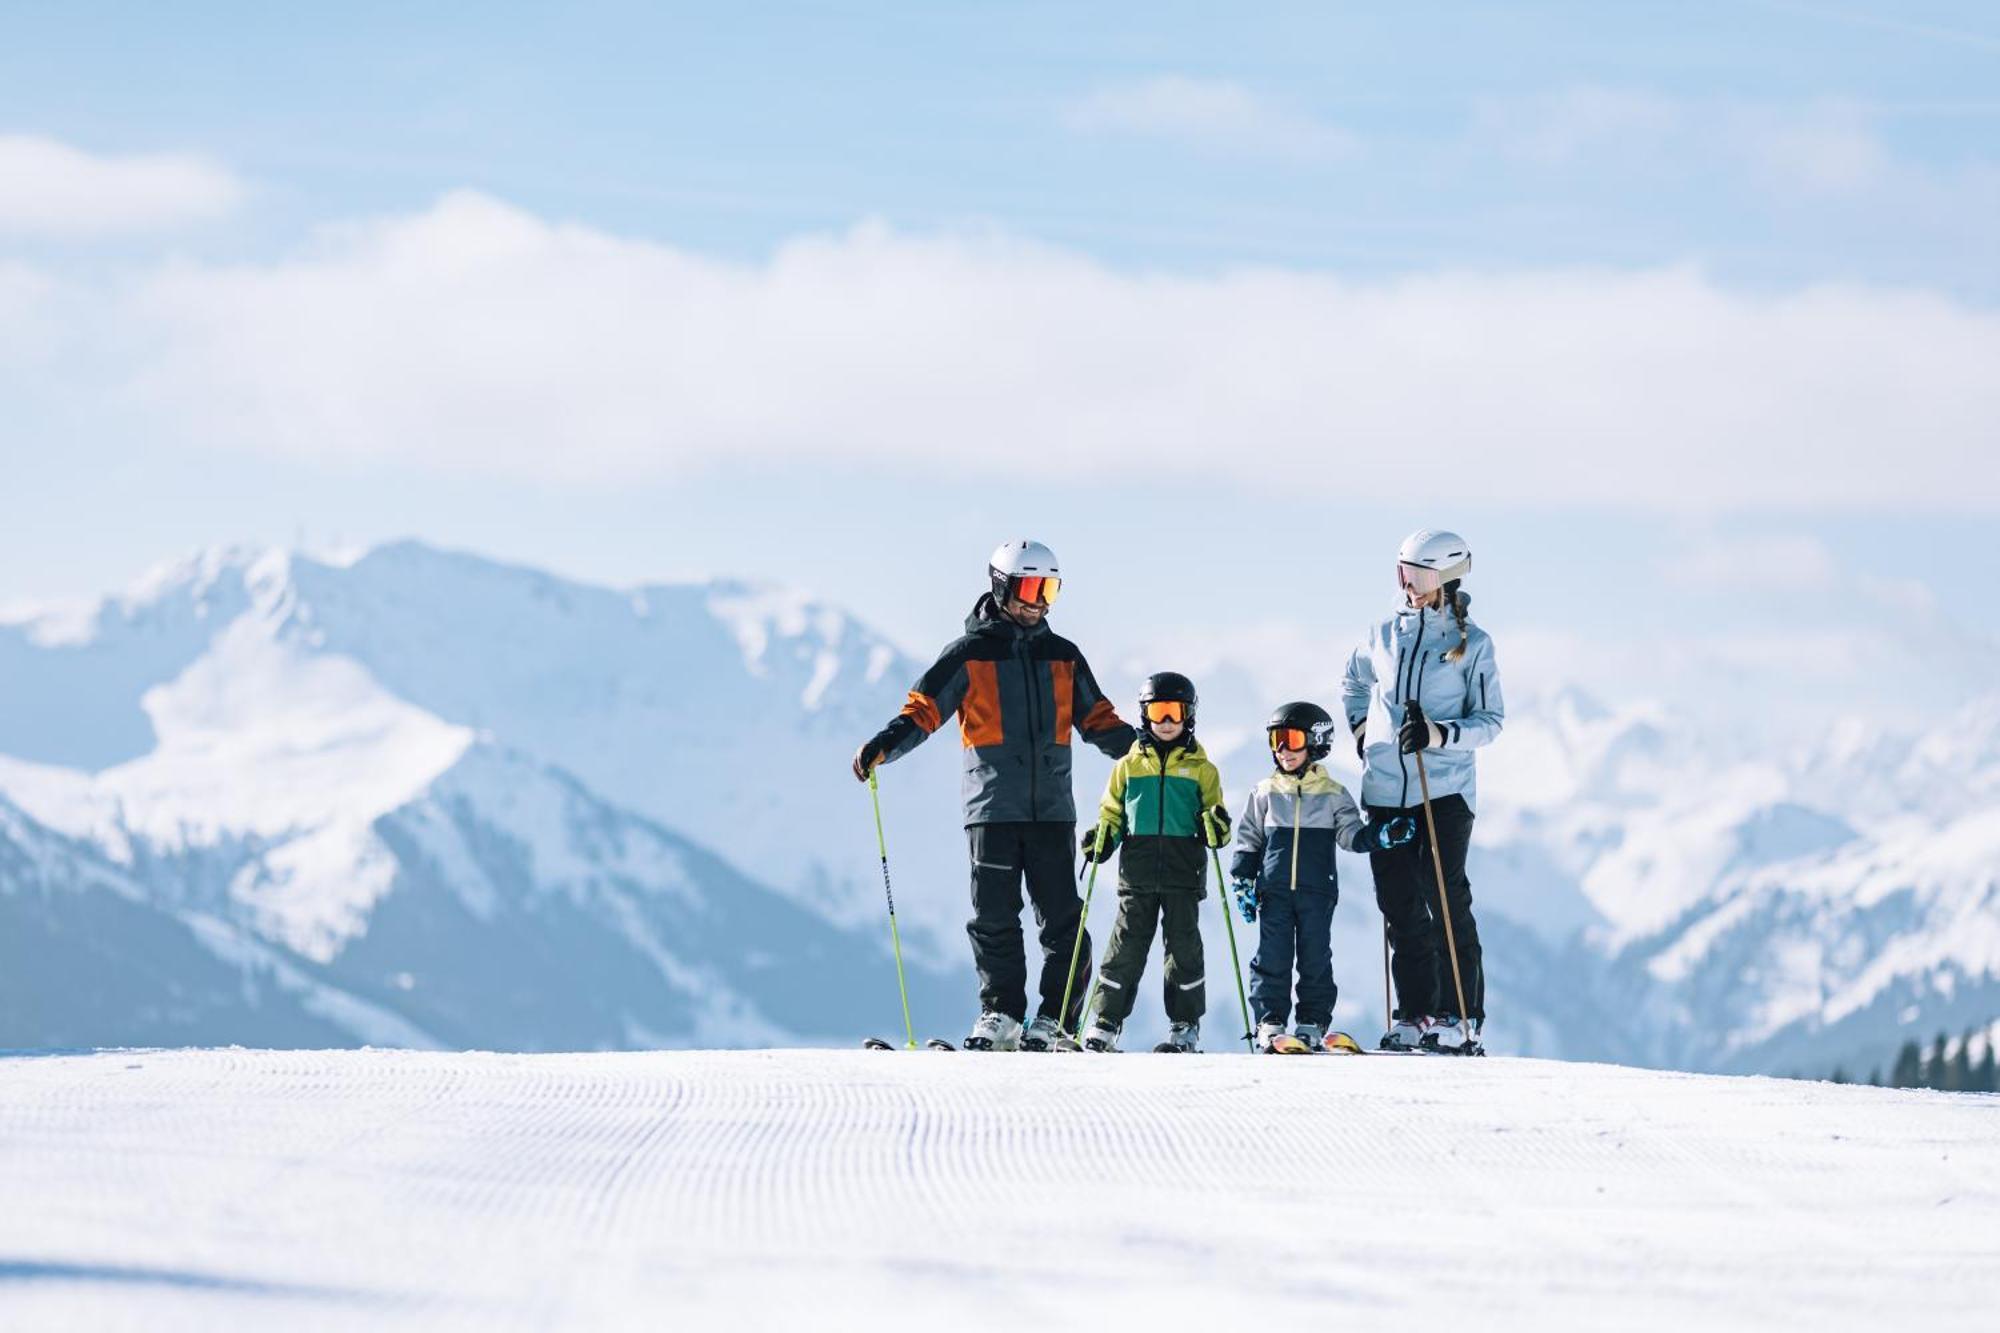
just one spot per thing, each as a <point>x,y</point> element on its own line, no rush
<point>1139,914</point>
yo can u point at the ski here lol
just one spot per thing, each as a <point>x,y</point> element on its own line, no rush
<point>939,1044</point>
<point>933,1044</point>
<point>1286,1044</point>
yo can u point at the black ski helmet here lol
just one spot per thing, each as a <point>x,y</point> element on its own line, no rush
<point>1310,718</point>
<point>1168,686</point>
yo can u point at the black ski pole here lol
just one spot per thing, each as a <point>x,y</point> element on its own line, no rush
<point>1388,1010</point>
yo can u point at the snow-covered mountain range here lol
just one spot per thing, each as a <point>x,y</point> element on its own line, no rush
<point>425,799</point>
<point>422,798</point>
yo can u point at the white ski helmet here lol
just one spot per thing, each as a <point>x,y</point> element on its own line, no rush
<point>1428,560</point>
<point>1026,570</point>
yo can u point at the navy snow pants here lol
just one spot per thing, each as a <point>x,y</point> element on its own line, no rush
<point>1293,930</point>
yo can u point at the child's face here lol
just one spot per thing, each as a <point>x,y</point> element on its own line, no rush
<point>1166,732</point>
<point>1290,760</point>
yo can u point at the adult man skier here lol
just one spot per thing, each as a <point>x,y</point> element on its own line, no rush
<point>1019,689</point>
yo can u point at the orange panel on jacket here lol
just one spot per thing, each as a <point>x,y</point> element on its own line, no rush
<point>1064,676</point>
<point>979,715</point>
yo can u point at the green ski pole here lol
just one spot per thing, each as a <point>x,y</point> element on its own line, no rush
<point>1235,962</point>
<point>895,936</point>
<point>1076,949</point>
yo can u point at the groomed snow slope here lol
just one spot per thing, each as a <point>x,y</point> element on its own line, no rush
<point>849,1190</point>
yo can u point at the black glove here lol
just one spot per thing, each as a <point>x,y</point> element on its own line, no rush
<point>1215,824</point>
<point>1097,842</point>
<point>1391,833</point>
<point>869,755</point>
<point>1417,732</point>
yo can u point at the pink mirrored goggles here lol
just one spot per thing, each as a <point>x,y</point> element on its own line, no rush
<point>1418,579</point>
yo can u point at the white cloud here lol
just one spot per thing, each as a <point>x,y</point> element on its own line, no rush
<point>24,297</point>
<point>1829,150</point>
<point>52,189</point>
<point>1774,562</point>
<point>1819,148</point>
<point>1560,128</point>
<point>1213,115</point>
<point>476,337</point>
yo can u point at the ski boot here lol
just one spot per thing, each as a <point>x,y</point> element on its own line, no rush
<point>1041,1034</point>
<point>1182,1039</point>
<point>1102,1037</point>
<point>1312,1034</point>
<point>994,1031</point>
<point>1448,1036</point>
<point>1272,1039</point>
<point>1407,1034</point>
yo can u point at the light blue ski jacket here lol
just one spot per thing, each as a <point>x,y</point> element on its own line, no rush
<point>1403,658</point>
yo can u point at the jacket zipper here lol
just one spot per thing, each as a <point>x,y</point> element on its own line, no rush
<point>1034,723</point>
<point>1298,820</point>
<point>1413,675</point>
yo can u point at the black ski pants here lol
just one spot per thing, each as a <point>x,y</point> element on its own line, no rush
<point>1003,857</point>
<point>1139,915</point>
<point>1406,891</point>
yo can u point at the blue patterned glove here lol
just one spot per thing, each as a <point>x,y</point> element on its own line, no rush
<point>1246,898</point>
<point>1392,833</point>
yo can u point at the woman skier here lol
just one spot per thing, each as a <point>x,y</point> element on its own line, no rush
<point>1421,694</point>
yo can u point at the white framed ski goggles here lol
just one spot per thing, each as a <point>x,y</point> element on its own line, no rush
<point>1417,579</point>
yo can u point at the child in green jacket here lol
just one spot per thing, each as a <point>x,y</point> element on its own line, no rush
<point>1164,805</point>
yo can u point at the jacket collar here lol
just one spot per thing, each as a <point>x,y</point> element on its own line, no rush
<point>1434,617</point>
<point>1308,778</point>
<point>986,618</point>
<point>1181,752</point>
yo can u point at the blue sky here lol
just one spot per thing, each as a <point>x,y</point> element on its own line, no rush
<point>1684,313</point>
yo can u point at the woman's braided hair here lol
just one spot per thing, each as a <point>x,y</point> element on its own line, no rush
<point>1458,600</point>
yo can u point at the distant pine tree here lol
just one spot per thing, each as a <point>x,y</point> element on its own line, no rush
<point>1936,1064</point>
<point>1984,1080</point>
<point>1875,1077</point>
<point>1958,1076</point>
<point>1909,1068</point>
<point>1840,1075</point>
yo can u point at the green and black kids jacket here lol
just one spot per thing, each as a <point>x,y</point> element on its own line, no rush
<point>1154,807</point>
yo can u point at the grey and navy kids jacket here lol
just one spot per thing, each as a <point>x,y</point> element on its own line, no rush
<point>1404,658</point>
<point>1288,831</point>
<point>1018,694</point>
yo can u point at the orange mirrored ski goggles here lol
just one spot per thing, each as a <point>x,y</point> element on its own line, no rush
<point>1036,590</point>
<point>1287,738</point>
<point>1164,710</point>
